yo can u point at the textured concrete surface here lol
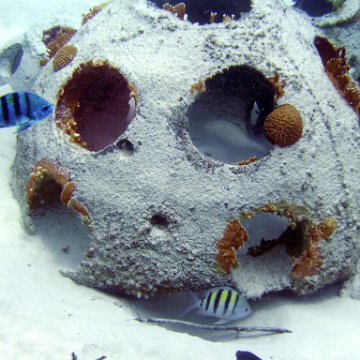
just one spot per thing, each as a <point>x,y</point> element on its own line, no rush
<point>163,56</point>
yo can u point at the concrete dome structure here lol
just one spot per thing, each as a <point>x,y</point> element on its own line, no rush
<point>156,121</point>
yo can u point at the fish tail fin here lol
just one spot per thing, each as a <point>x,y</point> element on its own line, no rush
<point>192,303</point>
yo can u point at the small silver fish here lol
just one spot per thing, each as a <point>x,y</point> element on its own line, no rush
<point>23,109</point>
<point>224,303</point>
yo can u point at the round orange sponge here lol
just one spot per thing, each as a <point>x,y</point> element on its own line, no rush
<point>283,126</point>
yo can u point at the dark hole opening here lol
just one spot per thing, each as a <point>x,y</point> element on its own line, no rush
<point>125,146</point>
<point>199,11</point>
<point>226,121</point>
<point>160,220</point>
<point>315,8</point>
<point>96,105</point>
<point>48,194</point>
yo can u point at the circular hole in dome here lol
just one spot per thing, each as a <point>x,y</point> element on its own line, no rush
<point>10,60</point>
<point>125,146</point>
<point>315,8</point>
<point>159,220</point>
<point>226,121</point>
<point>200,11</point>
<point>96,105</point>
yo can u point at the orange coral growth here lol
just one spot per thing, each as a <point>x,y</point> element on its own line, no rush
<point>309,263</point>
<point>79,208</point>
<point>323,230</point>
<point>199,87</point>
<point>49,176</point>
<point>278,85</point>
<point>227,18</point>
<point>283,126</point>
<point>48,183</point>
<point>234,237</point>
<point>213,16</point>
<point>64,57</point>
<point>54,39</point>
<point>93,11</point>
<point>336,67</point>
<point>67,192</point>
<point>178,9</point>
<point>248,161</point>
<point>301,238</point>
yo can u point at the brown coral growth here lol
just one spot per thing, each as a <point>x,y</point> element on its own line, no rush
<point>64,57</point>
<point>178,9</point>
<point>249,161</point>
<point>336,67</point>
<point>54,39</point>
<point>301,238</point>
<point>48,183</point>
<point>283,126</point>
<point>278,85</point>
<point>198,88</point>
<point>234,237</point>
<point>93,12</point>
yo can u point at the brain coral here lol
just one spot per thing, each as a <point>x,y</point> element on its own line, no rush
<point>64,57</point>
<point>284,125</point>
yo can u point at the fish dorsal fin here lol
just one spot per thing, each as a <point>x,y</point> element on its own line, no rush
<point>192,303</point>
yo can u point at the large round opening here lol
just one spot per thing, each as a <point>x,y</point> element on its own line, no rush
<point>226,120</point>
<point>96,105</point>
<point>209,11</point>
<point>316,8</point>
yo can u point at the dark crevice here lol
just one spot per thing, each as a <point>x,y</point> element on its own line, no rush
<point>199,11</point>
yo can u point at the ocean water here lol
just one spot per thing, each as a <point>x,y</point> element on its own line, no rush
<point>46,315</point>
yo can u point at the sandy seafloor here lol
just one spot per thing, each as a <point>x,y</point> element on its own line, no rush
<point>44,315</point>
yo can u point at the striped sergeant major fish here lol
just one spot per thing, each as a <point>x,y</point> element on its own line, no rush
<point>224,303</point>
<point>23,109</point>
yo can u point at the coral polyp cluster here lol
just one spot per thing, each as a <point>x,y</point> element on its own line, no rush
<point>48,183</point>
<point>337,69</point>
<point>301,238</point>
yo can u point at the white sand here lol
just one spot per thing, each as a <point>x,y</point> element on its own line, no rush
<point>44,315</point>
